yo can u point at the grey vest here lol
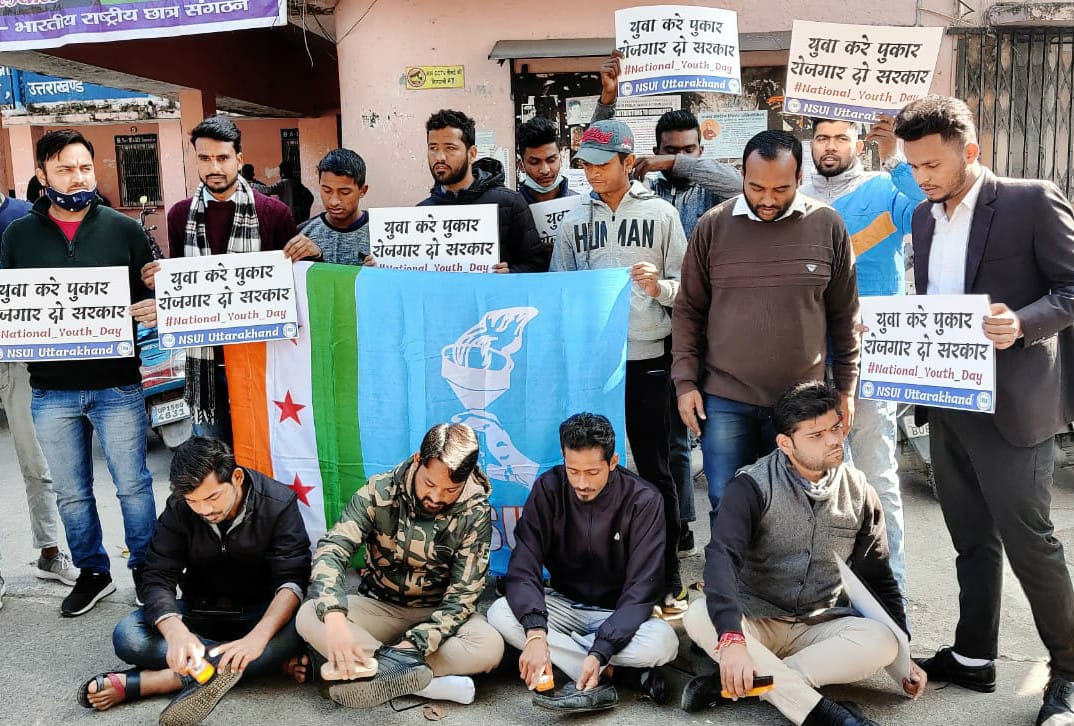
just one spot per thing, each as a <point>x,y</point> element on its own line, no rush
<point>790,570</point>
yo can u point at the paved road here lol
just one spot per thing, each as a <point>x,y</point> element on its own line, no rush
<point>45,657</point>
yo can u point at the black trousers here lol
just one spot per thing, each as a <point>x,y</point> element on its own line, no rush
<point>996,497</point>
<point>648,425</point>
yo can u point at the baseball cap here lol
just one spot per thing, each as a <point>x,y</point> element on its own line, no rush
<point>603,140</point>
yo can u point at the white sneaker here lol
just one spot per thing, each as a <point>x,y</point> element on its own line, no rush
<point>59,567</point>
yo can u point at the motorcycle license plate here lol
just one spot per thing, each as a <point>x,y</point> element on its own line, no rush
<point>912,431</point>
<point>169,411</point>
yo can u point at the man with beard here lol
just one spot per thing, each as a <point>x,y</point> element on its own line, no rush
<point>225,215</point>
<point>1013,240</point>
<point>461,178</point>
<point>767,282</point>
<point>72,399</point>
<point>876,208</point>
<point>426,527</point>
<point>693,186</point>
<point>772,585</point>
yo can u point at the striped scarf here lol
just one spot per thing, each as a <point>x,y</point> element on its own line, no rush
<point>245,237</point>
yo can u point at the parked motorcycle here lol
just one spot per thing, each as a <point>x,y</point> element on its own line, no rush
<point>163,371</point>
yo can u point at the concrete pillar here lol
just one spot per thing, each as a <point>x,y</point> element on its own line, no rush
<point>194,106</point>
<point>22,157</point>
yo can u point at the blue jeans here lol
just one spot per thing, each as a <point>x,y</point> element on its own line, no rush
<point>65,422</point>
<point>872,451</point>
<point>141,644</point>
<point>679,461</point>
<point>733,435</point>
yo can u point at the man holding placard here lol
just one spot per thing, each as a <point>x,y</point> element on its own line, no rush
<point>225,215</point>
<point>541,162</point>
<point>1014,241</point>
<point>341,232</point>
<point>624,224</point>
<point>460,178</point>
<point>772,578</point>
<point>877,208</point>
<point>70,228</point>
<point>775,269</point>
<point>693,186</point>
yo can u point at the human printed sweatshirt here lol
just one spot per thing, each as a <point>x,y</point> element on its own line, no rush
<point>644,228</point>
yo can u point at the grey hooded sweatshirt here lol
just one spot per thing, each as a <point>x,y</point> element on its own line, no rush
<point>644,228</point>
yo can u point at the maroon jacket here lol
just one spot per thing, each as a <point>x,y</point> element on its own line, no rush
<point>275,224</point>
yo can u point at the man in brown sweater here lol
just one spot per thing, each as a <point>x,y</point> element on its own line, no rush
<point>767,282</point>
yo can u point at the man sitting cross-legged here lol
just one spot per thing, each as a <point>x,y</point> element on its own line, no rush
<point>772,583</point>
<point>233,540</point>
<point>599,530</point>
<point>427,528</point>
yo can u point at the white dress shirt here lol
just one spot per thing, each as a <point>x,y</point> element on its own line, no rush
<point>950,240</point>
<point>742,207</point>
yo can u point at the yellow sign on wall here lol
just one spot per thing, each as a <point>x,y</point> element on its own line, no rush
<point>423,78</point>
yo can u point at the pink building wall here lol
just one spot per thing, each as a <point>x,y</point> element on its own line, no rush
<point>384,122</point>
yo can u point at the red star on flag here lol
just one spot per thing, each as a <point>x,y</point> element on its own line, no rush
<point>289,409</point>
<point>301,490</point>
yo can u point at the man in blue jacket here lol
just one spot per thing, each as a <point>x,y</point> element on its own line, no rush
<point>877,208</point>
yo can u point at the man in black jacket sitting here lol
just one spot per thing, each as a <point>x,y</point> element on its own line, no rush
<point>599,531</point>
<point>772,604</point>
<point>234,542</point>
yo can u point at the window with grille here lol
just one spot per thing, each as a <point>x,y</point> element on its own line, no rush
<point>289,147</point>
<point>138,165</point>
<point>1020,84</point>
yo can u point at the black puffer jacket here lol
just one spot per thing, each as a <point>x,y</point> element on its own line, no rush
<point>520,247</point>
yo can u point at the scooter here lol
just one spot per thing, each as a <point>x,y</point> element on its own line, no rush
<point>163,371</point>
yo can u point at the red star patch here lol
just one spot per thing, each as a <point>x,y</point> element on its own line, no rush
<point>289,409</point>
<point>301,490</point>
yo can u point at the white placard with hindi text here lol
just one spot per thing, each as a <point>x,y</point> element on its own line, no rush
<point>677,49</point>
<point>225,299</point>
<point>929,350</point>
<point>447,238</point>
<point>854,72</point>
<point>55,314</point>
<point>548,215</point>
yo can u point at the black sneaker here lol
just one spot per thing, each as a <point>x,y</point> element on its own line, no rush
<point>944,667</point>
<point>87,592</point>
<point>400,672</point>
<point>702,692</point>
<point>1057,709</point>
<point>686,546</point>
<point>837,713</point>
<point>569,699</point>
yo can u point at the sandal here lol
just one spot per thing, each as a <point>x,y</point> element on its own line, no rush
<point>132,691</point>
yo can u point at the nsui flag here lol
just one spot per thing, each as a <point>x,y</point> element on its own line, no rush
<point>382,355</point>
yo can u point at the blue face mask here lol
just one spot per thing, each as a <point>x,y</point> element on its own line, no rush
<point>532,184</point>
<point>75,202</point>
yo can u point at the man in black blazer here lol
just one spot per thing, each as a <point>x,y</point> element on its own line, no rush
<point>1013,240</point>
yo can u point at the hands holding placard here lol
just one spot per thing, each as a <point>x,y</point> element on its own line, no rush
<point>1002,327</point>
<point>609,78</point>
<point>882,134</point>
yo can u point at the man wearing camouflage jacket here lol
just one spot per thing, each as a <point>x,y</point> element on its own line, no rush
<point>427,528</point>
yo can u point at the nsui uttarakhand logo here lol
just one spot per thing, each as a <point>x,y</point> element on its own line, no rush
<point>125,348</point>
<point>732,86</point>
<point>167,340</point>
<point>867,389</point>
<point>793,105</point>
<point>984,400</point>
<point>626,88</point>
<point>290,330</point>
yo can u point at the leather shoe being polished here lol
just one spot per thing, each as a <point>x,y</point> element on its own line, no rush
<point>1058,708</point>
<point>944,667</point>
<point>569,699</point>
